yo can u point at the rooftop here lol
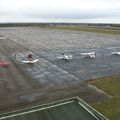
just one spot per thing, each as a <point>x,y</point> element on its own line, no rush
<point>69,109</point>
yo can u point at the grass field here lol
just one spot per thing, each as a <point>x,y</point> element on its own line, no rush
<point>88,29</point>
<point>111,108</point>
<point>110,29</point>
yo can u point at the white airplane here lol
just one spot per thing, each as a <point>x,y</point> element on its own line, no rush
<point>65,57</point>
<point>89,54</point>
<point>30,61</point>
<point>115,53</point>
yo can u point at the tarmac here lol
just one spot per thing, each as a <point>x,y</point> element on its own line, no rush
<point>104,64</point>
<point>51,79</point>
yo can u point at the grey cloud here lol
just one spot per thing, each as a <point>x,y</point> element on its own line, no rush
<point>76,14</point>
<point>60,13</point>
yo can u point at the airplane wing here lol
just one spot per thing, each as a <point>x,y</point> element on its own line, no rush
<point>36,60</point>
<point>26,61</point>
<point>90,54</point>
<point>60,57</point>
<point>84,54</point>
<point>66,57</point>
<point>32,61</point>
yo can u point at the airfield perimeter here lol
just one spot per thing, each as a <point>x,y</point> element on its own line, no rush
<point>51,79</point>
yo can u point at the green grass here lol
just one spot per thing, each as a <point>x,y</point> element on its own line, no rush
<point>88,29</point>
<point>109,108</point>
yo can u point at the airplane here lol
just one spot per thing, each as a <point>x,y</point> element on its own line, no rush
<point>30,61</point>
<point>115,53</point>
<point>89,54</point>
<point>65,57</point>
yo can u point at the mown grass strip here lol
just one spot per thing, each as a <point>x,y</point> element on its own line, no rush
<point>109,108</point>
<point>88,29</point>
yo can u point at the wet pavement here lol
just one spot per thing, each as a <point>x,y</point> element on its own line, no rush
<point>46,73</point>
<point>51,70</point>
<point>50,79</point>
<point>104,64</point>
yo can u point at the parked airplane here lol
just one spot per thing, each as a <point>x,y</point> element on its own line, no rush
<point>115,53</point>
<point>65,57</point>
<point>89,54</point>
<point>30,59</point>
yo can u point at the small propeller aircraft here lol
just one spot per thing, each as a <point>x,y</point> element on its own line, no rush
<point>89,54</point>
<point>65,57</point>
<point>115,53</point>
<point>30,59</point>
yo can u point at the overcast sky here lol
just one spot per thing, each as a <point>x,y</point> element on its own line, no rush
<point>79,11</point>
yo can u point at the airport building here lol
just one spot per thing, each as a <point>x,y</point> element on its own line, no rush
<point>68,109</point>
